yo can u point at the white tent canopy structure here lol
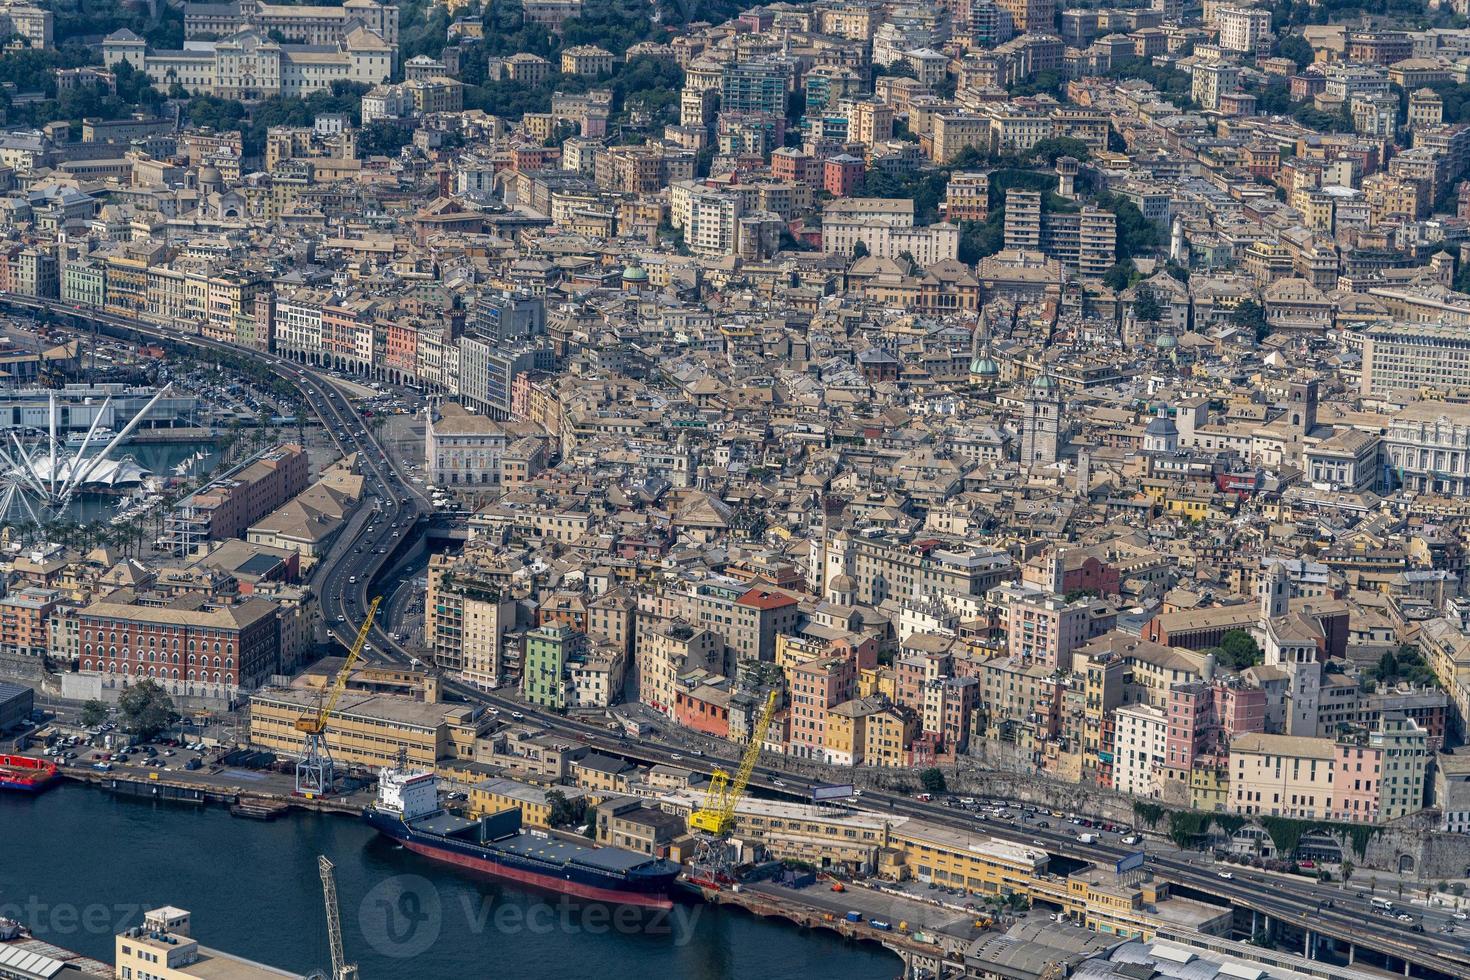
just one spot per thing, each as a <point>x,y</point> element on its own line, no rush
<point>38,481</point>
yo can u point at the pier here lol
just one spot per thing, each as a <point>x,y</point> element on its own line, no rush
<point>201,789</point>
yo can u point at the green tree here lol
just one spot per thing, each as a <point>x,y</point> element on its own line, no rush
<point>1120,275</point>
<point>146,709</point>
<point>1237,650</point>
<point>859,249</point>
<point>932,779</point>
<point>1251,316</point>
<point>981,238</point>
<point>1061,146</point>
<point>1146,306</point>
<point>899,69</point>
<point>565,812</point>
<point>1295,47</point>
<point>94,713</point>
<point>383,139</point>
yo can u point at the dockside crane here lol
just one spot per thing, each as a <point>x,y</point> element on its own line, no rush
<point>340,970</point>
<point>315,772</point>
<point>715,818</point>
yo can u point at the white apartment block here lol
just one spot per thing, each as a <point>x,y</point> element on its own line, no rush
<point>298,328</point>
<point>709,218</point>
<point>1242,28</point>
<point>1141,748</point>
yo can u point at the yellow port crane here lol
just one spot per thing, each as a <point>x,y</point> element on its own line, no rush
<point>716,816</point>
<point>315,772</point>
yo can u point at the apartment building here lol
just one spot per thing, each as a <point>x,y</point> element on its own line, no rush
<point>664,651</point>
<point>229,504</point>
<point>815,688</point>
<point>1044,628</point>
<point>586,59</point>
<point>967,197</point>
<point>888,236</point>
<point>748,619</point>
<point>1086,240</point>
<point>25,629</point>
<point>27,21</point>
<point>755,86</point>
<point>1029,16</point>
<point>1243,28</point>
<point>550,652</point>
<point>1213,80</point>
<point>873,565</point>
<point>1369,777</point>
<point>1141,748</point>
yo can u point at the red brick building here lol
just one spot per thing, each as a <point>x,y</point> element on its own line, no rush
<point>192,646</point>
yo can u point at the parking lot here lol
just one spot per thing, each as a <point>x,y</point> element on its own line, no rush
<point>166,754</point>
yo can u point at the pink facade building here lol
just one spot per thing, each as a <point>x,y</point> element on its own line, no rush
<point>817,686</point>
<point>1357,777</point>
<point>1044,628</point>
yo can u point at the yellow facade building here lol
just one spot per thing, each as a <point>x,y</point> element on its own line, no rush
<point>370,729</point>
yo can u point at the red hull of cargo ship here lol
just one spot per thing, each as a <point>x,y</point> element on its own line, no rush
<point>21,773</point>
<point>578,889</point>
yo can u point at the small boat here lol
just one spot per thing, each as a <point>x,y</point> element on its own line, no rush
<point>24,774</point>
<point>100,438</point>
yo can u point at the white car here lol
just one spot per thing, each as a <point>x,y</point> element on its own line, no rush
<point>1460,915</point>
<point>1227,875</point>
<point>777,782</point>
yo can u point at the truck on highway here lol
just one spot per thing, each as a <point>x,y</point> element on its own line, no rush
<point>854,917</point>
<point>1087,838</point>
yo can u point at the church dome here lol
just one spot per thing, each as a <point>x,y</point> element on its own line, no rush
<point>1166,341</point>
<point>1161,425</point>
<point>1044,384</point>
<point>984,366</point>
<point>635,273</point>
<point>842,582</point>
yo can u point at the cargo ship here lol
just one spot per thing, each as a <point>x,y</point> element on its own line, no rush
<point>407,810</point>
<point>21,773</point>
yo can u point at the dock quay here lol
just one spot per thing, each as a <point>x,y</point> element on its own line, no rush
<point>200,790</point>
<point>917,948</point>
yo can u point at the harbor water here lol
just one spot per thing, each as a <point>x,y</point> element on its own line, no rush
<point>161,458</point>
<point>78,865</point>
